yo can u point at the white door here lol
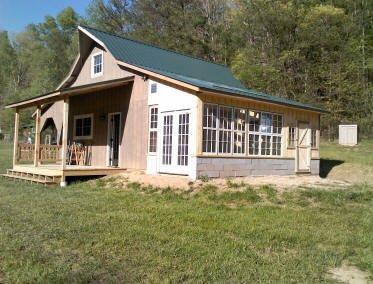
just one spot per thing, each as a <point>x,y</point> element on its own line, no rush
<point>303,161</point>
<point>174,153</point>
<point>113,139</point>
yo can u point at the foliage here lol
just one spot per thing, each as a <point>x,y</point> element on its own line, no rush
<point>315,51</point>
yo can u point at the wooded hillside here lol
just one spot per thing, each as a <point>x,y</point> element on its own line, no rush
<point>314,51</point>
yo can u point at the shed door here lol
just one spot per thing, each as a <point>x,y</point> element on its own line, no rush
<point>174,154</point>
<point>303,161</point>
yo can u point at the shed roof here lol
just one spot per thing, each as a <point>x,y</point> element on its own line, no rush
<point>197,72</point>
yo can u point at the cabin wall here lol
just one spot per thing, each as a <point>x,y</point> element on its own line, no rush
<point>130,101</point>
<point>55,111</point>
<point>111,70</point>
<point>170,100</point>
<point>224,165</point>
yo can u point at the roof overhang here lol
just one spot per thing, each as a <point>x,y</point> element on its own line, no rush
<point>61,94</point>
<point>235,95</point>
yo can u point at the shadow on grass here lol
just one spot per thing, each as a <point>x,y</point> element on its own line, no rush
<point>326,165</point>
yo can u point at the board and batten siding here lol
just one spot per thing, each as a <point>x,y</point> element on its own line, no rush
<point>111,69</point>
<point>54,111</point>
<point>290,118</point>
<point>131,102</point>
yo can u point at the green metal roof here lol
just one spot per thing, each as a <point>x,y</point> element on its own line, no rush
<point>188,69</point>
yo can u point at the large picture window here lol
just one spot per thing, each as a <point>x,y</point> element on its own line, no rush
<point>83,125</point>
<point>228,130</point>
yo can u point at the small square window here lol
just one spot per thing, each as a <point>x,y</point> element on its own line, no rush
<point>153,88</point>
<point>83,126</point>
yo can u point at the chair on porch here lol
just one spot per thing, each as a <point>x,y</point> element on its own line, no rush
<point>78,154</point>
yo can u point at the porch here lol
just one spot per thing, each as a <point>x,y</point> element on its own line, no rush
<point>72,154</point>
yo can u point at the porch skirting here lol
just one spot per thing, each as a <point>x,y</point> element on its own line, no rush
<point>238,167</point>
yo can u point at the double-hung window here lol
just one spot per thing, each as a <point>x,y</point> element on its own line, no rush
<point>292,137</point>
<point>97,64</point>
<point>153,129</point>
<point>239,128</point>
<point>210,130</point>
<point>225,129</point>
<point>313,138</point>
<point>83,126</point>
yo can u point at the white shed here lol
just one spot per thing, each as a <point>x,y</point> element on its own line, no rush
<point>348,134</point>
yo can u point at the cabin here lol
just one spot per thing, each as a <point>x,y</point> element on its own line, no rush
<point>129,105</point>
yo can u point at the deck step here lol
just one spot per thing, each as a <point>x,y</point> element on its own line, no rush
<point>36,178</point>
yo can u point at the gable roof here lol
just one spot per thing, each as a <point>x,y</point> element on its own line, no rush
<point>197,72</point>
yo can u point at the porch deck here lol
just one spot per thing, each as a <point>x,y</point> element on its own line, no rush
<point>53,173</point>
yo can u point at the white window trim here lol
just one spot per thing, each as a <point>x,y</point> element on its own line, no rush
<point>212,128</point>
<point>247,133</point>
<point>93,75</point>
<point>80,116</point>
<point>153,129</point>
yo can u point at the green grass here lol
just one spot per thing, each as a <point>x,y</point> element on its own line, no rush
<point>89,232</point>
<point>362,154</point>
<point>354,164</point>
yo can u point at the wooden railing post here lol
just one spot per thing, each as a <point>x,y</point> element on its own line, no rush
<point>65,127</point>
<point>15,140</point>
<point>37,137</point>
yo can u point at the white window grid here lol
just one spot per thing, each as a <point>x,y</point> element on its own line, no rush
<point>210,128</point>
<point>313,138</point>
<point>153,129</point>
<point>183,140</point>
<point>167,139</point>
<point>239,131</point>
<point>258,132</point>
<point>97,64</point>
<point>292,136</point>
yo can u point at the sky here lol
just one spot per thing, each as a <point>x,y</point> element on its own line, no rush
<point>16,14</point>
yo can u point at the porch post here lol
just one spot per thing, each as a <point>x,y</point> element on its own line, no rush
<point>15,140</point>
<point>37,136</point>
<point>65,126</point>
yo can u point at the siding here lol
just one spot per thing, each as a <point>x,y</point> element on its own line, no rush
<point>111,70</point>
<point>54,112</point>
<point>131,102</point>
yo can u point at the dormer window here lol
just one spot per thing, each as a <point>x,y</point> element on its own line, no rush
<point>97,64</point>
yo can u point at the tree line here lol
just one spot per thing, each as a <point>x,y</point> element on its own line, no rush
<point>313,51</point>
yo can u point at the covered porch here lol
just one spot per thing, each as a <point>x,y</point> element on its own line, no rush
<point>70,155</point>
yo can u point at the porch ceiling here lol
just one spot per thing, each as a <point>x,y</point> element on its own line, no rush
<point>67,92</point>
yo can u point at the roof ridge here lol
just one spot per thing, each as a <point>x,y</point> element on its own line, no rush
<point>154,46</point>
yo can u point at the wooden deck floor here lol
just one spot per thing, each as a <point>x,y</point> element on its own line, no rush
<point>55,170</point>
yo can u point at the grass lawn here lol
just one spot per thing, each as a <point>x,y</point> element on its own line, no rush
<point>89,232</point>
<point>354,164</point>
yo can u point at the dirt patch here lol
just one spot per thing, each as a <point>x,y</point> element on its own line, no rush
<point>349,274</point>
<point>281,183</point>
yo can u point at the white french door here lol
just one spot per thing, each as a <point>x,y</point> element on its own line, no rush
<point>174,154</point>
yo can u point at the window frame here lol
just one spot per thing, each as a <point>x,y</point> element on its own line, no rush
<point>295,137</point>
<point>82,116</point>
<point>316,146</point>
<point>153,129</point>
<point>207,128</point>
<point>261,134</point>
<point>93,74</point>
<point>246,132</point>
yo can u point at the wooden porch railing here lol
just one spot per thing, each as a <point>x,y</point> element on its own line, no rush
<point>48,153</point>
